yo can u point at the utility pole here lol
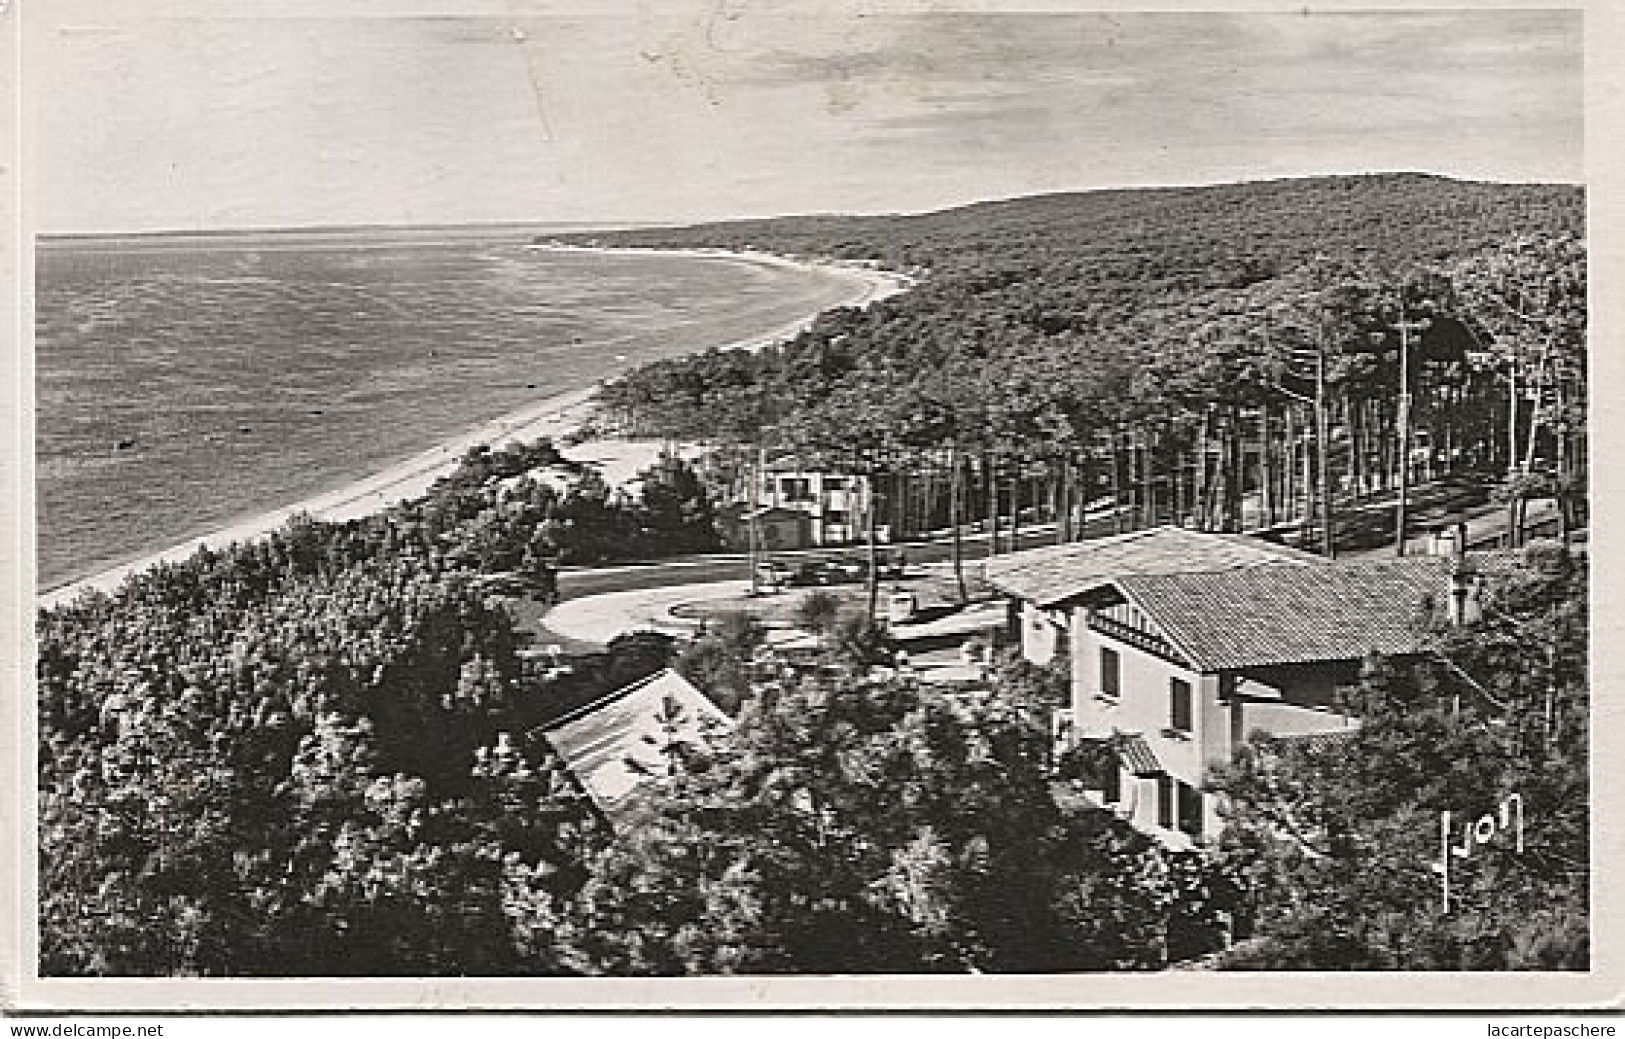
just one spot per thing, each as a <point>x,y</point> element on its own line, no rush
<point>992,504</point>
<point>874,551</point>
<point>1512,413</point>
<point>956,505</point>
<point>1322,441</point>
<point>1404,426</point>
<point>1405,328</point>
<point>754,478</point>
<point>1312,504</point>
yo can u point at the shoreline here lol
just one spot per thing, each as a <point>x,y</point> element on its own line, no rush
<point>554,415</point>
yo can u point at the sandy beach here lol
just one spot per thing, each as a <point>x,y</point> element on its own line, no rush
<point>554,416</point>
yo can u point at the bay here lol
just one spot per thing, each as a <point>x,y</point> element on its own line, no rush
<point>182,382</point>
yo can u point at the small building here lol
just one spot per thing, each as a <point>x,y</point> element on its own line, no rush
<point>836,504</point>
<point>615,743</point>
<point>776,529</point>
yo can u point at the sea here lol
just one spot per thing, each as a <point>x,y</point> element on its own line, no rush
<point>186,382</point>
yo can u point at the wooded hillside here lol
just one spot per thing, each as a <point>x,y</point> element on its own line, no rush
<point>1217,356</point>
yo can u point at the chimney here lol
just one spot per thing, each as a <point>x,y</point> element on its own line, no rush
<point>1463,605</point>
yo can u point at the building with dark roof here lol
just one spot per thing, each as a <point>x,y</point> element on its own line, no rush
<point>1191,664</point>
<point>1182,644</point>
<point>1056,574</point>
<point>1283,615</point>
<point>1045,583</point>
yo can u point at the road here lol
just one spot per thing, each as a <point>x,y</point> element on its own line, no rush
<point>1429,505</point>
<point>576,582</point>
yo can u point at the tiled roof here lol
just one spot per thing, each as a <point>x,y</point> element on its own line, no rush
<point>1290,614</point>
<point>1053,574</point>
<point>1137,755</point>
<point>1326,741</point>
<point>598,741</point>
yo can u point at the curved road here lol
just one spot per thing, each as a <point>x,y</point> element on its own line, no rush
<point>576,582</point>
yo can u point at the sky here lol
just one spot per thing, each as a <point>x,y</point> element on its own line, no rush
<point>179,115</point>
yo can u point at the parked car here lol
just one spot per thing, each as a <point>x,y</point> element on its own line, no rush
<point>855,567</point>
<point>812,571</point>
<point>773,573</point>
<point>792,573</point>
<point>845,569</point>
<point>809,572</point>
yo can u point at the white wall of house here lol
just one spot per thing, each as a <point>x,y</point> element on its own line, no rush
<point>1143,701</point>
<point>1139,806</point>
<point>1139,801</point>
<point>1305,701</point>
<point>1288,700</point>
<point>1042,633</point>
<point>837,502</point>
<point>1287,719</point>
<point>1144,706</point>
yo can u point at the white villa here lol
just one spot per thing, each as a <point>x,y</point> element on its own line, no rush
<point>1182,644</point>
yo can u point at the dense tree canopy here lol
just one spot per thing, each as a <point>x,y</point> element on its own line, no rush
<point>331,771</point>
<point>336,773</point>
<point>1186,352</point>
<point>854,824</point>
<point>307,754</point>
<point>1341,840</point>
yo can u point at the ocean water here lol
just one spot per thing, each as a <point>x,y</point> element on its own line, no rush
<point>182,383</point>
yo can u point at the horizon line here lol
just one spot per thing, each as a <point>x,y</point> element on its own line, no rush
<point>609,224</point>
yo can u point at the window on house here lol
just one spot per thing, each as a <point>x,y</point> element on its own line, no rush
<point>836,517</point>
<point>1167,801</point>
<point>1111,790</point>
<point>796,489</point>
<point>1111,673</point>
<point>1190,810</point>
<point>1179,705</point>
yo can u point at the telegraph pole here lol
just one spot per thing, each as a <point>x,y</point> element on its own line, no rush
<point>1404,426</point>
<point>1322,441</point>
<point>1405,328</point>
<point>1323,504</point>
<point>754,477</point>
